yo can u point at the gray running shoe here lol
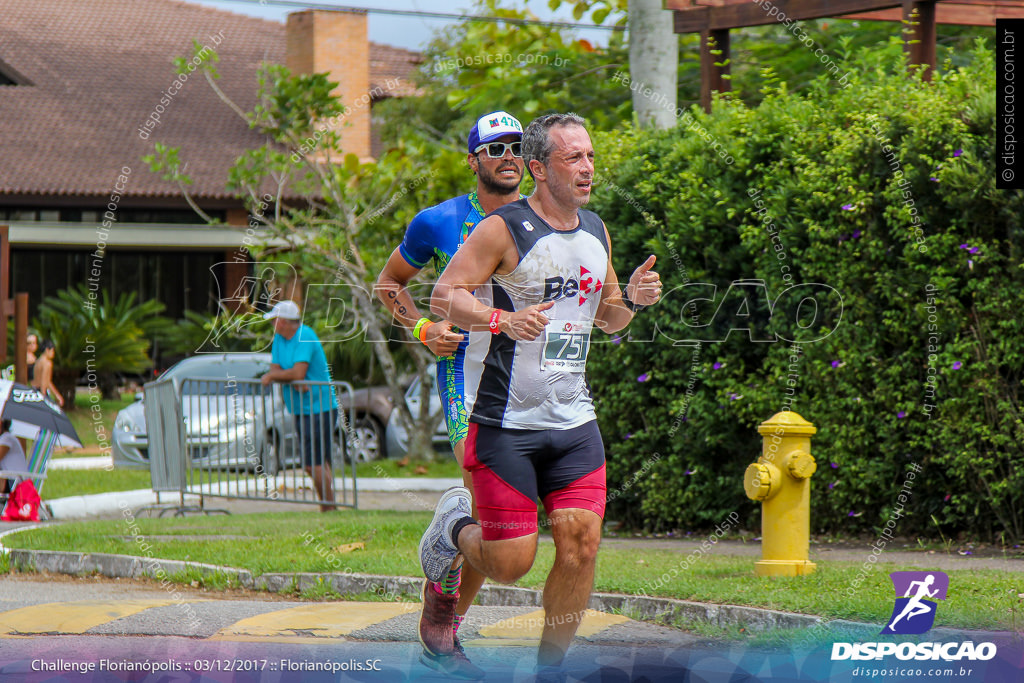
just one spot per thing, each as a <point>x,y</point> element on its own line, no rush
<point>436,550</point>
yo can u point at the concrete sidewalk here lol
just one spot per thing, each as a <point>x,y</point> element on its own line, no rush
<point>106,505</point>
<point>404,493</point>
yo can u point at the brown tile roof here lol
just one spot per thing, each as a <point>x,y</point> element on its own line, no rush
<point>388,62</point>
<point>98,69</point>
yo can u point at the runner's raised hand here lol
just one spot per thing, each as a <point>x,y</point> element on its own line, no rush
<point>644,286</point>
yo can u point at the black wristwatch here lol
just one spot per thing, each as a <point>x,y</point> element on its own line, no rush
<point>636,308</point>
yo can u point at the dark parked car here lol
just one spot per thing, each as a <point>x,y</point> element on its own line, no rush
<point>397,437</point>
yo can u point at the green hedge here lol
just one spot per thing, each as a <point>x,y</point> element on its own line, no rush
<point>831,191</point>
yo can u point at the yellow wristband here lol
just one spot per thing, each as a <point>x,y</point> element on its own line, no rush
<point>419,325</point>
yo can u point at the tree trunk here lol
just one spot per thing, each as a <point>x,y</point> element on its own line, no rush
<point>65,381</point>
<point>420,428</point>
<point>653,63</point>
<point>107,382</point>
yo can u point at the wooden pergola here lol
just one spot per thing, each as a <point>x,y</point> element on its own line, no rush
<point>713,19</point>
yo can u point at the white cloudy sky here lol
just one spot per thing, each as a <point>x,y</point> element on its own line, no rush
<point>409,32</point>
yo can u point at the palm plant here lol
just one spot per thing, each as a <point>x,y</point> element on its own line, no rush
<point>99,336</point>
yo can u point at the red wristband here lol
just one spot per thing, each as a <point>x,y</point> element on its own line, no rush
<point>493,325</point>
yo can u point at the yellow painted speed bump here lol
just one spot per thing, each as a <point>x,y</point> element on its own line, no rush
<point>72,617</point>
<point>325,620</point>
<point>528,627</point>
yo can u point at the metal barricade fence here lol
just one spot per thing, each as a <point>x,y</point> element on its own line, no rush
<point>163,420</point>
<point>240,439</point>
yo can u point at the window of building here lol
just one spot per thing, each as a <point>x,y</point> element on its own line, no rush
<point>180,280</point>
<point>80,215</point>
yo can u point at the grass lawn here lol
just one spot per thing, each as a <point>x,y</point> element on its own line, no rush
<point>387,468</point>
<point>299,541</point>
<point>90,430</point>
<point>62,483</point>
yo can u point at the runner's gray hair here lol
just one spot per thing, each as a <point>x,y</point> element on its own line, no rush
<point>537,139</point>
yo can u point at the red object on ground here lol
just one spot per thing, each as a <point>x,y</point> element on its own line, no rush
<point>23,505</point>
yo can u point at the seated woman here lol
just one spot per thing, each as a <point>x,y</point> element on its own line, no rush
<point>12,456</point>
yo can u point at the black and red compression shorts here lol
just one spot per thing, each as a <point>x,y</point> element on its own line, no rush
<point>512,467</point>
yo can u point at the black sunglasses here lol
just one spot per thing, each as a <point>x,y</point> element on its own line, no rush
<point>496,150</point>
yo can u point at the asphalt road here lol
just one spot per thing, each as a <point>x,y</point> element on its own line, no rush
<point>88,629</point>
<point>57,629</point>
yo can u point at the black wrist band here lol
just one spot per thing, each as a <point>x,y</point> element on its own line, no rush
<point>636,308</point>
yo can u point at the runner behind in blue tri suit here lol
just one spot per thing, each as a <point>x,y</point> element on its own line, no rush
<point>434,235</point>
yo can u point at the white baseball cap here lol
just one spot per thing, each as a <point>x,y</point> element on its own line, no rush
<point>289,310</point>
<point>493,126</point>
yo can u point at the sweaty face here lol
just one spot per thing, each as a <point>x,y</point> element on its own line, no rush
<point>571,166</point>
<point>503,175</point>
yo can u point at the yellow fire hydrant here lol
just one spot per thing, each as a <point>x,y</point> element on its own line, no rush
<point>781,479</point>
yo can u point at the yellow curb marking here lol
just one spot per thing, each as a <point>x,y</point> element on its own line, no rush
<point>328,620</point>
<point>529,626</point>
<point>72,617</point>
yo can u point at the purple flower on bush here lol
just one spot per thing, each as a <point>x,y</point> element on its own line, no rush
<point>834,465</point>
<point>643,378</point>
<point>974,250</point>
<point>957,365</point>
<point>688,472</point>
<point>734,396</point>
<point>832,485</point>
<point>856,235</point>
<point>900,415</point>
<point>957,153</point>
<point>616,339</point>
<point>934,179</point>
<point>716,366</point>
<point>629,435</point>
<point>847,207</point>
<point>851,513</point>
<point>836,363</point>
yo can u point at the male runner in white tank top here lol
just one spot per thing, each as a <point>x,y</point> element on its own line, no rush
<point>542,275</point>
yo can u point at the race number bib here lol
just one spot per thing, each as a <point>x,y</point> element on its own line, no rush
<point>566,343</point>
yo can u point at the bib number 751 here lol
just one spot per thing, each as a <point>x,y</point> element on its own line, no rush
<point>566,345</point>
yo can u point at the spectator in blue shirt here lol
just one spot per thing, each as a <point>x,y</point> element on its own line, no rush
<point>297,356</point>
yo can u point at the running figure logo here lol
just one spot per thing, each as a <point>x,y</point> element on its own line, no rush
<point>913,612</point>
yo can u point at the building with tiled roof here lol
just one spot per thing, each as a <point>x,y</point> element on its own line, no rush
<point>88,86</point>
